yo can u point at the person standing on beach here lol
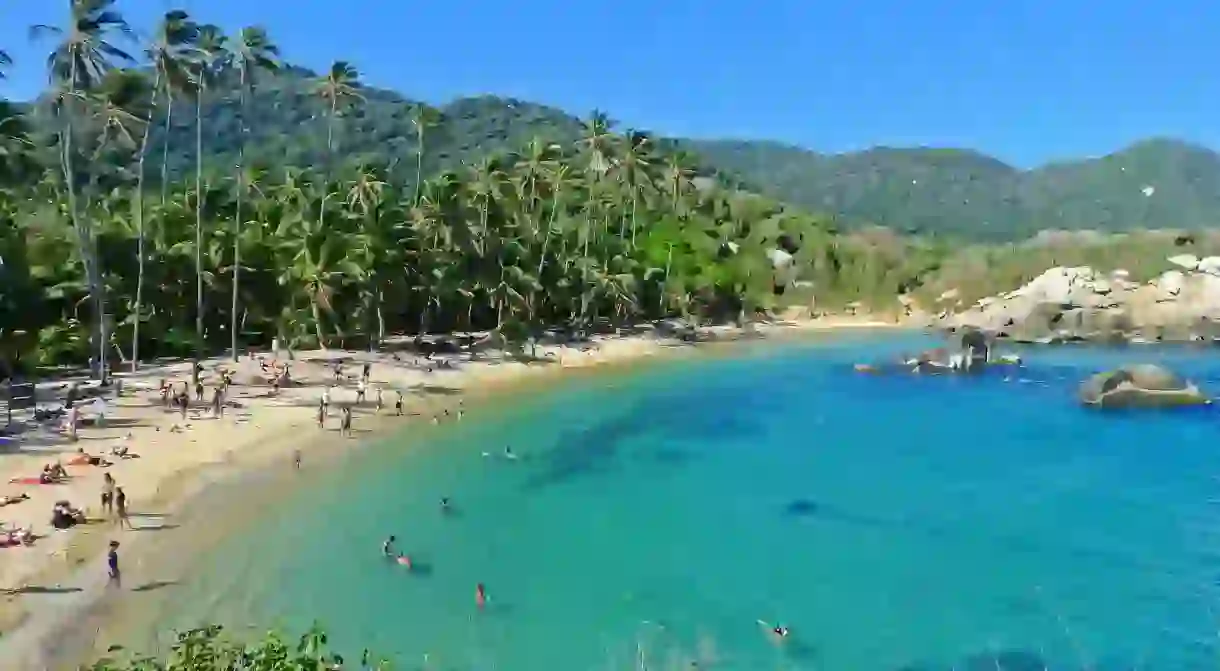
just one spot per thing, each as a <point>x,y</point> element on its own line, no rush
<point>379,404</point>
<point>326,401</point>
<point>361,388</point>
<point>345,424</point>
<point>321,414</point>
<point>120,508</point>
<point>199,391</point>
<point>296,459</point>
<point>364,374</point>
<point>398,405</point>
<point>108,486</point>
<point>218,405</point>
<point>114,578</point>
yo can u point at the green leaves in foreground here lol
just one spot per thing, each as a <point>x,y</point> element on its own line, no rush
<point>209,649</point>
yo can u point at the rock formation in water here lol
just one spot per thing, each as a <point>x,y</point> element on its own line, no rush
<point>1068,304</point>
<point>1139,386</point>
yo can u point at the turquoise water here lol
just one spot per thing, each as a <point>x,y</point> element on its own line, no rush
<point>891,522</point>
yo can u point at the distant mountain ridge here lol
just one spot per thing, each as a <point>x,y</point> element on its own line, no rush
<point>1158,183</point>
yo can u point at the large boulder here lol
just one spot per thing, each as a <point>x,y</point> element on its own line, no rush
<point>1140,386</point>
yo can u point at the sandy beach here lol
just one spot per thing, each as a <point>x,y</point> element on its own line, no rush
<point>60,579</point>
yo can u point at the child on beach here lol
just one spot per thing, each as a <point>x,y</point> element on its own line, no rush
<point>114,578</point>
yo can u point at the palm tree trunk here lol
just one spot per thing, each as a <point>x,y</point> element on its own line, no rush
<point>139,207</point>
<point>419,164</point>
<point>241,195</point>
<point>169,113</point>
<point>84,237</point>
<point>198,235</point>
<point>317,322</point>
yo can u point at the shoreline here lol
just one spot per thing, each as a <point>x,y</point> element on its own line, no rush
<point>57,609</point>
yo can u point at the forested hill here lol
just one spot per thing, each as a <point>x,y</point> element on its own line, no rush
<point>1153,184</point>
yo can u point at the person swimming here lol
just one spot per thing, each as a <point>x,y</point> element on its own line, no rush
<point>508,453</point>
<point>445,508</point>
<point>480,596</point>
<point>387,548</point>
<point>405,560</point>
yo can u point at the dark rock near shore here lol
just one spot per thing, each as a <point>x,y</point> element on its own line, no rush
<point>1140,386</point>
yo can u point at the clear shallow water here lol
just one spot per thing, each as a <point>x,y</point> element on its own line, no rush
<point>890,521</point>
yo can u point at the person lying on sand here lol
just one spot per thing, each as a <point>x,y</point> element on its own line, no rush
<point>83,458</point>
<point>10,500</point>
<point>16,537</point>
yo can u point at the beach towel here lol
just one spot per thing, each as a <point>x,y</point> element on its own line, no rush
<point>29,481</point>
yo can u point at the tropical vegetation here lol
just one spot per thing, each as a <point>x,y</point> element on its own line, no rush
<point>106,257</point>
<point>209,649</point>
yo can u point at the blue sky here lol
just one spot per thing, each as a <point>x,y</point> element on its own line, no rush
<point>1025,80</point>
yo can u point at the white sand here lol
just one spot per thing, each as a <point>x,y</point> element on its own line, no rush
<point>62,574</point>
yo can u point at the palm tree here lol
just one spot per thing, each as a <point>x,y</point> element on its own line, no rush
<point>210,45</point>
<point>251,52</point>
<point>341,84</point>
<point>172,45</point>
<point>79,61</point>
<point>423,117</point>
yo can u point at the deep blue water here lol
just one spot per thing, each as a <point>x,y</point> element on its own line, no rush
<point>891,522</point>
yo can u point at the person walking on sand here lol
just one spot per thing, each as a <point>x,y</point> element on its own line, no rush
<point>218,404</point>
<point>326,401</point>
<point>321,414</point>
<point>199,391</point>
<point>398,405</point>
<point>120,508</point>
<point>296,459</point>
<point>361,388</point>
<point>379,405</point>
<point>114,577</point>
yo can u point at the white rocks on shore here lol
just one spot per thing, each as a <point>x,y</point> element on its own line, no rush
<point>1081,302</point>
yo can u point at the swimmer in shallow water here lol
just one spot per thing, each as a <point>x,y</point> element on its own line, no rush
<point>387,548</point>
<point>508,453</point>
<point>445,508</point>
<point>778,633</point>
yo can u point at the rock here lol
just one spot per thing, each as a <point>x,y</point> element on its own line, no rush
<point>1072,304</point>
<point>1187,261</point>
<point>1210,265</point>
<point>1139,386</point>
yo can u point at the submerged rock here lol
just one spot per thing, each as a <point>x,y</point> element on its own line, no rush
<point>1140,386</point>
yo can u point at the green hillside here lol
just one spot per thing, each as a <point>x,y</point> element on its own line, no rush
<point>948,191</point>
<point>956,192</point>
<point>964,192</point>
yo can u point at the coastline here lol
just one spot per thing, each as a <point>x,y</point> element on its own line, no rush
<point>57,601</point>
